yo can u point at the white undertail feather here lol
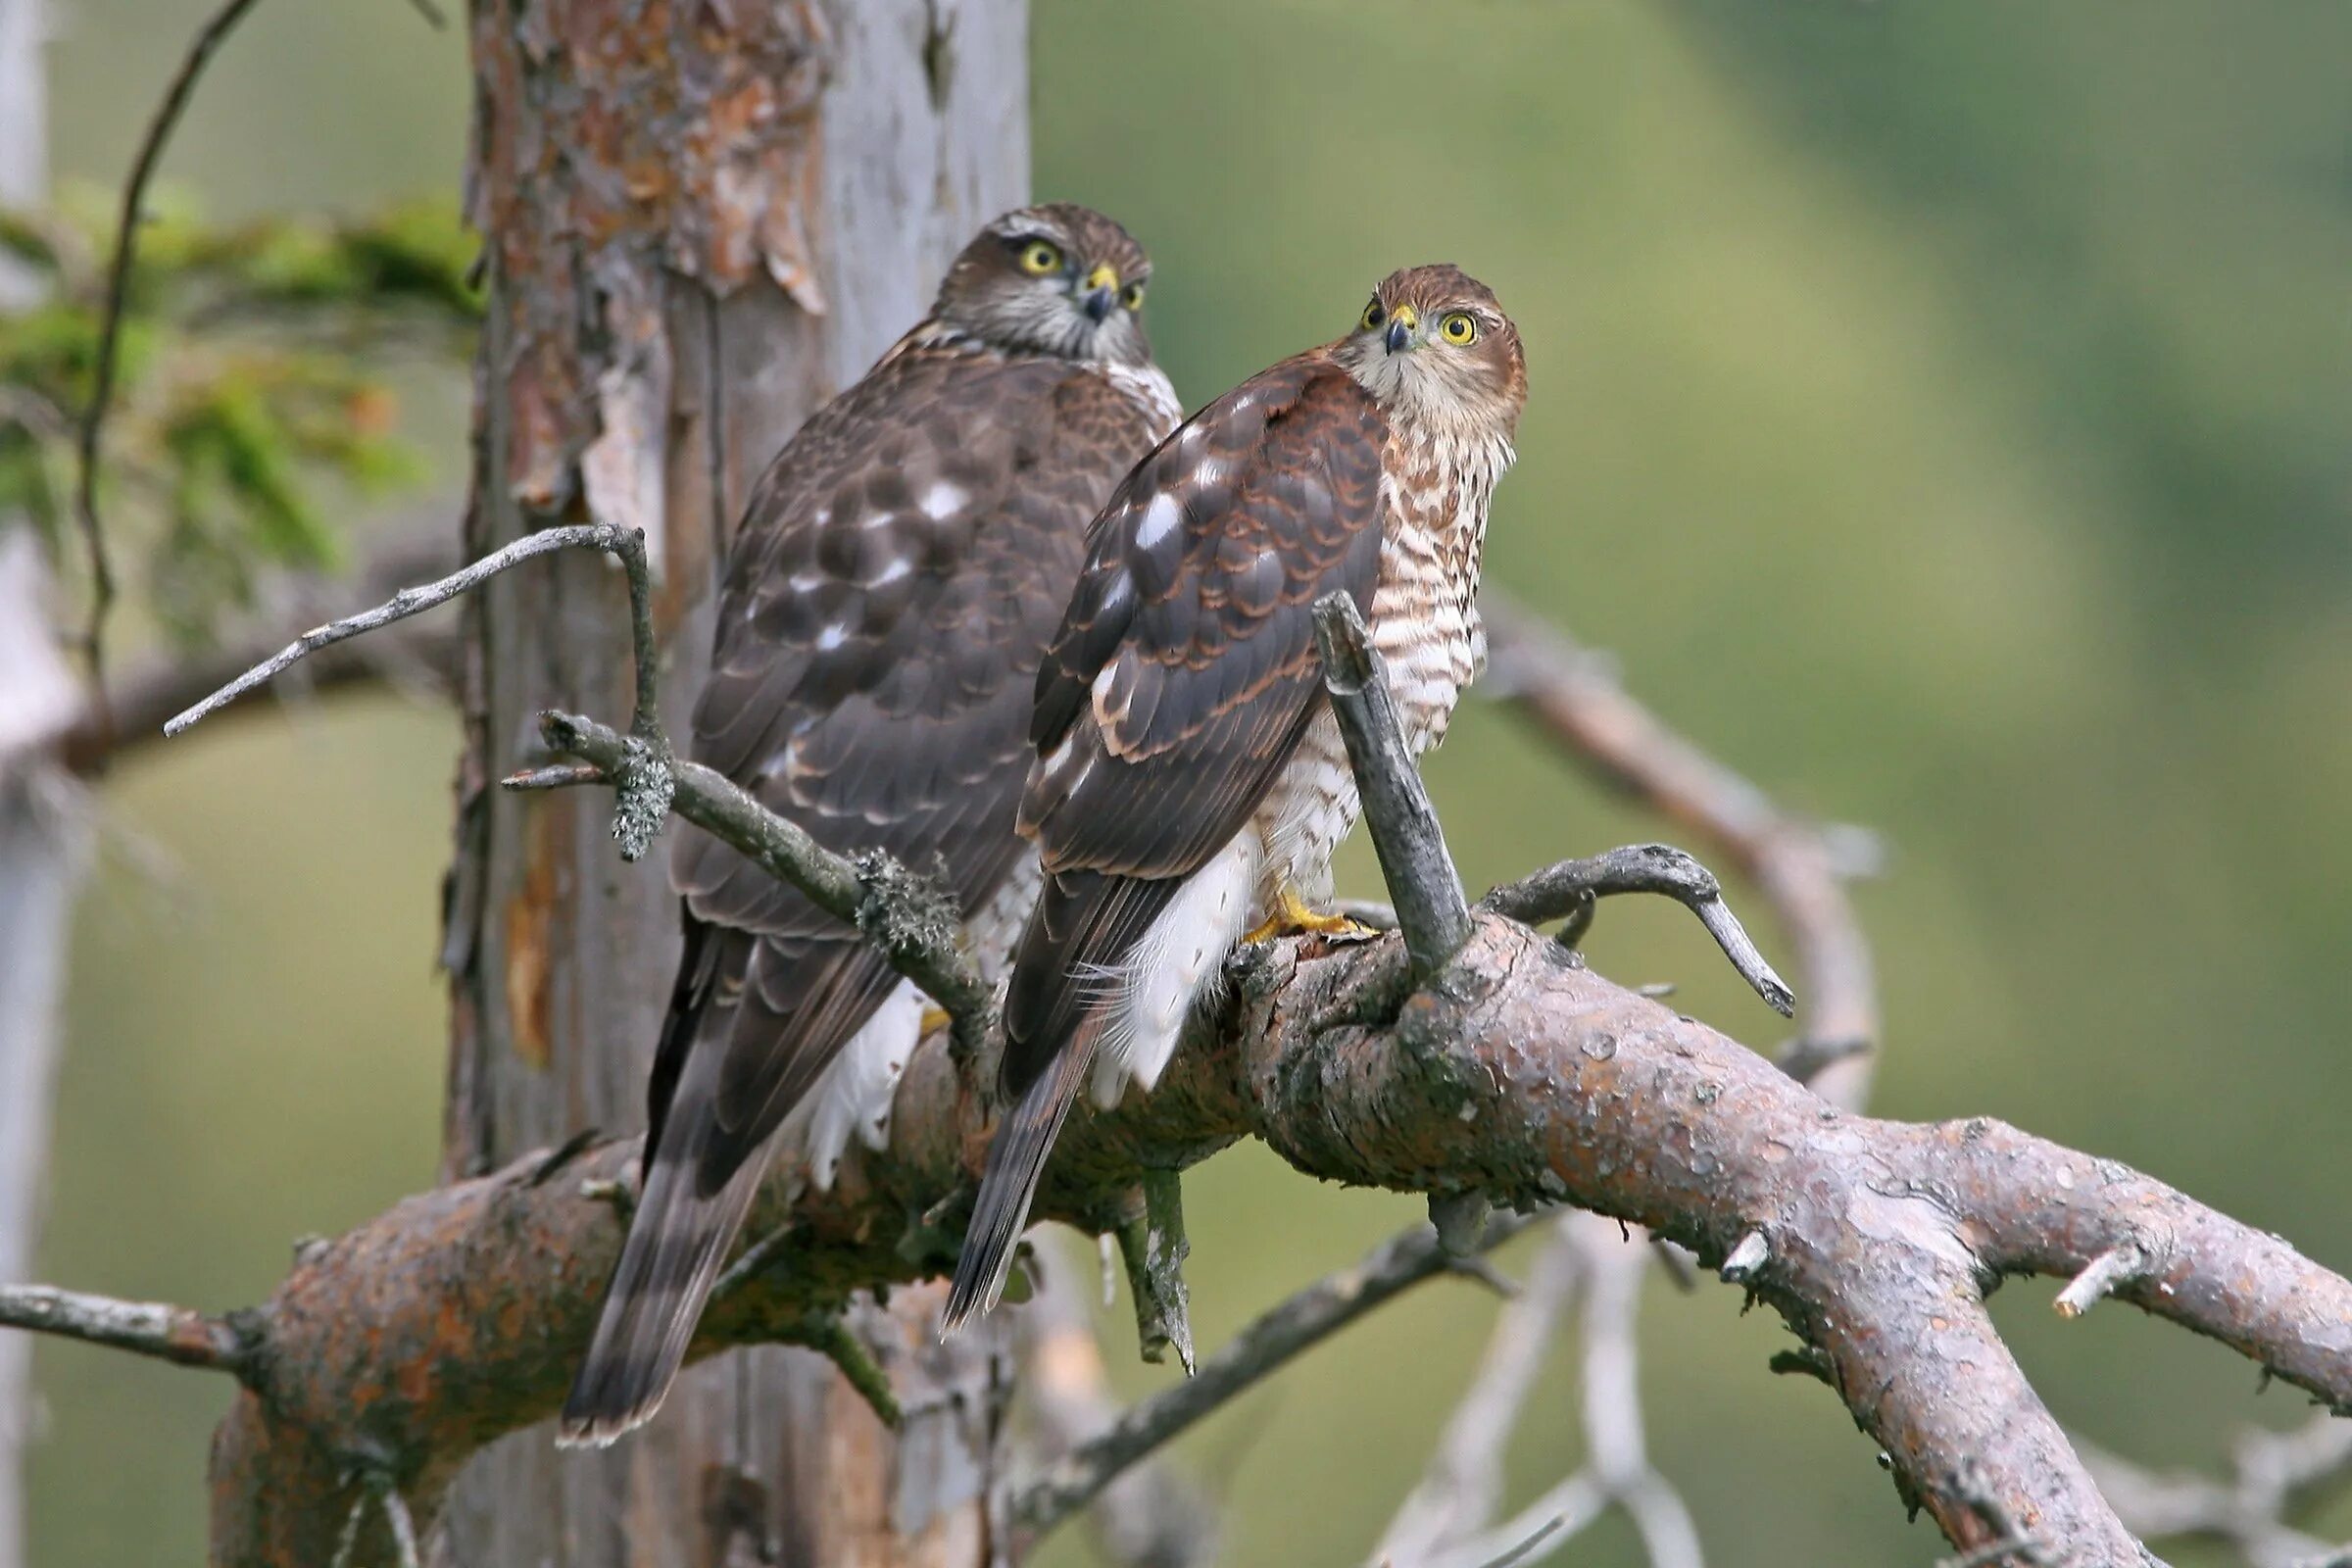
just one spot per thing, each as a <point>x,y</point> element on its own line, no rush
<point>1174,967</point>
<point>852,1097</point>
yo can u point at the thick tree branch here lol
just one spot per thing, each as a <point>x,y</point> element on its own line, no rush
<point>1519,1070</point>
<point>1512,1073</point>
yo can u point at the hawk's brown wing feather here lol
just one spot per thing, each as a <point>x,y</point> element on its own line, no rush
<point>1181,679</point>
<point>899,570</point>
<point>1185,670</point>
<point>904,561</point>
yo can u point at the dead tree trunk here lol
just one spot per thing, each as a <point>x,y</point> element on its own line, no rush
<point>701,220</point>
<point>39,843</point>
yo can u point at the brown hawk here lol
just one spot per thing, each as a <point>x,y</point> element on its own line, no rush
<point>899,570</point>
<point>1190,779</point>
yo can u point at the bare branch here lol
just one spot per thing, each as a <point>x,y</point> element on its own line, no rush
<point>1419,869</point>
<point>156,688</point>
<point>914,924</point>
<point>1522,1071</point>
<point>1299,1324</point>
<point>2107,1271</point>
<point>641,775</point>
<point>2271,1474</point>
<point>1462,1485</point>
<point>165,120</point>
<point>1800,867</point>
<point>1447,1521</point>
<point>625,545</point>
<point>175,1334</point>
<point>1569,889</point>
<point>1153,1243</point>
<point>1150,1516</point>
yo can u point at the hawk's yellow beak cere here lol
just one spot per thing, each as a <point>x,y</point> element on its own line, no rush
<point>1401,321</point>
<point>1099,292</point>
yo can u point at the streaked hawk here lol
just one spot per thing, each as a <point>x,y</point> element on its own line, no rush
<point>1190,780</point>
<point>900,570</point>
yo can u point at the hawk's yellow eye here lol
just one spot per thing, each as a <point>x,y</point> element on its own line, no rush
<point>1040,256</point>
<point>1132,296</point>
<point>1458,328</point>
<point>1373,317</point>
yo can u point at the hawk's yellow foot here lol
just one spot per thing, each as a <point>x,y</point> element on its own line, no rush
<point>1293,917</point>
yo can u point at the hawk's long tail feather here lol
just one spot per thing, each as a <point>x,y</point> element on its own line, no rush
<point>1085,925</point>
<point>677,1240</point>
<point>1016,1161</point>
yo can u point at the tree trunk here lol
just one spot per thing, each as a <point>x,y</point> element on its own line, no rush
<point>40,836</point>
<point>701,220</point>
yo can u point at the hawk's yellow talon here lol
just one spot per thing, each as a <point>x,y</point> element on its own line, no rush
<point>1293,917</point>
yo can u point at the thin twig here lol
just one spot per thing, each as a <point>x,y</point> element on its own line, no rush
<point>166,120</point>
<point>625,544</point>
<point>1571,887</point>
<point>2114,1267</point>
<point>1277,1337</point>
<point>912,920</point>
<point>1413,858</point>
<point>179,1335</point>
<point>2272,1475</point>
<point>1153,1245</point>
<point>404,1525</point>
<point>641,775</point>
<point>1462,1483</point>
<point>1800,867</point>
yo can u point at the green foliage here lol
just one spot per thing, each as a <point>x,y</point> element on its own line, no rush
<point>249,384</point>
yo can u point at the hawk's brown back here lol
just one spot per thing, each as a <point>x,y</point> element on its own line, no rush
<point>1185,671</point>
<point>901,567</point>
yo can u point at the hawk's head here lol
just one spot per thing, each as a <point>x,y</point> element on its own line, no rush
<point>1060,279</point>
<point>1435,346</point>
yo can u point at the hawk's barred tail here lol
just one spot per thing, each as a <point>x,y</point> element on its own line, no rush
<point>677,1240</point>
<point>1016,1161</point>
<point>1082,929</point>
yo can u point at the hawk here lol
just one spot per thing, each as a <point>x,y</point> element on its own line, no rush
<point>1189,781</point>
<point>899,570</point>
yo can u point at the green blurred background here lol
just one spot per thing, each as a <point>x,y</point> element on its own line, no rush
<point>1944,410</point>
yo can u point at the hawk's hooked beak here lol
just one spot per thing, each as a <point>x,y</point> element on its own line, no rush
<point>1401,321</point>
<point>1101,291</point>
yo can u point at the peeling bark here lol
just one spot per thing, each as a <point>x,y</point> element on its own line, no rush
<point>700,220</point>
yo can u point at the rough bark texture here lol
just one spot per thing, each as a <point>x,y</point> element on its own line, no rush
<point>458,1315</point>
<point>701,220</point>
<point>40,849</point>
